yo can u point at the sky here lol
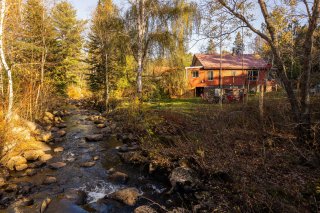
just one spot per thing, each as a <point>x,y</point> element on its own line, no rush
<point>86,7</point>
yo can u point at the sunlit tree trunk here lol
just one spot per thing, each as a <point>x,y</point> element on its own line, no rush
<point>4,62</point>
<point>141,35</point>
<point>106,95</point>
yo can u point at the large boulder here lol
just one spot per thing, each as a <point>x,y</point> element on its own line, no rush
<point>184,177</point>
<point>128,196</point>
<point>16,162</point>
<point>32,155</point>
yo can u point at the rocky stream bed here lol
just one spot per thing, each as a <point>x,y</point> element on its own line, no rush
<point>83,173</point>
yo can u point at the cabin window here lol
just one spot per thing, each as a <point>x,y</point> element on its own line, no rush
<point>253,75</point>
<point>210,76</point>
<point>195,74</point>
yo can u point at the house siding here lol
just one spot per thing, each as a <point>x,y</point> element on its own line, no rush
<point>230,78</point>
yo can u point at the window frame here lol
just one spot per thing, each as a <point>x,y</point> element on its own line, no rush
<point>210,75</point>
<point>252,76</point>
<point>193,74</point>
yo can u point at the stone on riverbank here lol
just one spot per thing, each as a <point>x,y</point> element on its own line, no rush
<point>49,180</point>
<point>45,157</point>
<point>21,167</point>
<point>15,162</point>
<point>94,138</point>
<point>57,165</point>
<point>128,196</point>
<point>88,164</point>
<point>32,155</point>
<point>58,149</point>
<point>118,177</point>
<point>144,209</point>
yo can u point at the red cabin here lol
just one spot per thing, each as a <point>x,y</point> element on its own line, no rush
<point>238,73</point>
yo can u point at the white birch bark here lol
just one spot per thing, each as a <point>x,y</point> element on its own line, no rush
<point>141,34</point>
<point>3,60</point>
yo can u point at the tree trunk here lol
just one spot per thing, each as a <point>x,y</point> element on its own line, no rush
<point>106,91</point>
<point>4,62</point>
<point>141,36</point>
<point>304,127</point>
<point>261,102</point>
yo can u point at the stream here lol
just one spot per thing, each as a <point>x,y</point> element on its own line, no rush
<point>91,180</point>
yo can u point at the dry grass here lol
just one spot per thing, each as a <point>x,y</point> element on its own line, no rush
<point>269,172</point>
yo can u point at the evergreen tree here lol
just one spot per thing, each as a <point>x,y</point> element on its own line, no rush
<point>211,49</point>
<point>69,43</point>
<point>238,45</point>
<point>107,49</point>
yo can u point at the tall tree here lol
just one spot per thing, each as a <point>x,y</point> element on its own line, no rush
<point>211,48</point>
<point>69,43</point>
<point>148,26</point>
<point>107,48</point>
<point>3,58</point>
<point>238,48</point>
<point>300,107</point>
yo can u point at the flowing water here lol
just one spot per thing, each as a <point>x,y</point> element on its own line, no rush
<point>93,180</point>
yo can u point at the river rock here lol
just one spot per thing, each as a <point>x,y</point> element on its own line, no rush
<point>45,137</point>
<point>128,196</point>
<point>124,148</point>
<point>31,172</point>
<point>49,180</point>
<point>95,158</point>
<point>45,157</point>
<point>11,188</point>
<point>24,202</point>
<point>57,165</point>
<point>37,164</point>
<point>32,155</point>
<point>179,210</point>
<point>101,126</point>
<point>21,167</point>
<point>61,133</point>
<point>2,182</point>
<point>88,164</point>
<point>144,209</point>
<point>44,205</point>
<point>16,161</point>
<point>118,177</point>
<point>94,138</point>
<point>58,149</point>
<point>182,176</point>
<point>49,115</point>
<point>61,125</point>
<point>4,173</point>
<point>75,196</point>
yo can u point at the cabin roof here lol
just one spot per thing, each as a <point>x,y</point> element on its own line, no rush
<point>229,61</point>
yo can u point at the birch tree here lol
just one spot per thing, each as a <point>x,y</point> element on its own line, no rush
<point>3,60</point>
<point>148,26</point>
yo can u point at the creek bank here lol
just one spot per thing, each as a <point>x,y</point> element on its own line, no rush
<point>103,183</point>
